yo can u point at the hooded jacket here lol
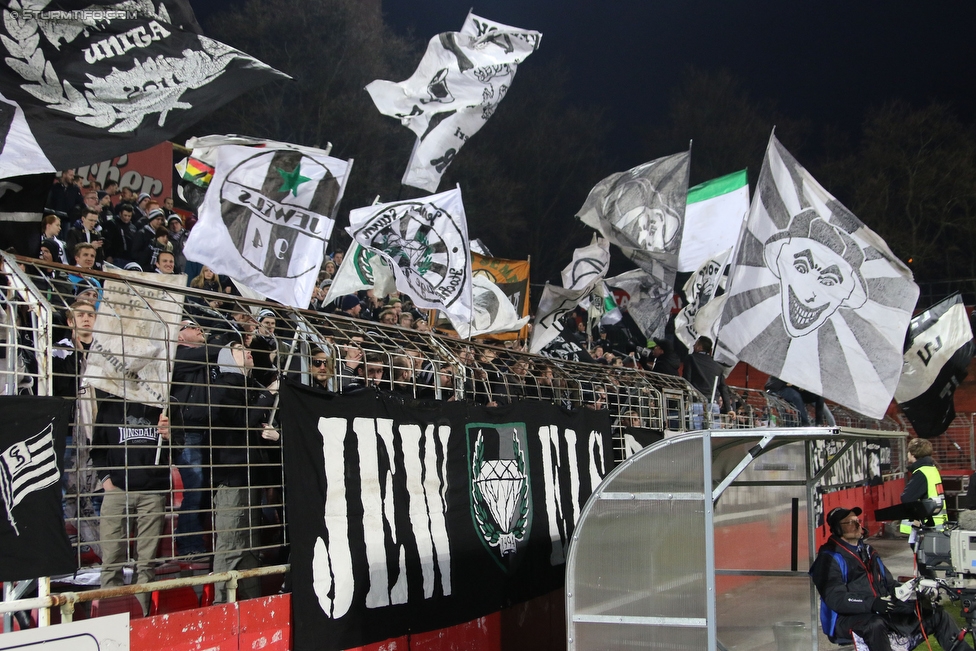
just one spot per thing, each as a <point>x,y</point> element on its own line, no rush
<point>125,443</point>
<point>240,406</point>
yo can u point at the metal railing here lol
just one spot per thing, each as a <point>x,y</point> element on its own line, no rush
<point>222,430</point>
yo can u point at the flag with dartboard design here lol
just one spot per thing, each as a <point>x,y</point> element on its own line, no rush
<point>267,218</point>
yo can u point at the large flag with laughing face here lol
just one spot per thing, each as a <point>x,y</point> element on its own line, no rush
<point>939,348</point>
<point>816,298</point>
<point>426,243</point>
<point>457,86</point>
<point>267,217</point>
<point>84,82</point>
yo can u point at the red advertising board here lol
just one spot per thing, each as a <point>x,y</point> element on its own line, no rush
<point>144,171</point>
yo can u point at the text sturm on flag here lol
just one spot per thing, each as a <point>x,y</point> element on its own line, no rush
<point>420,517</point>
<point>426,243</point>
<point>32,444</point>
<point>267,217</point>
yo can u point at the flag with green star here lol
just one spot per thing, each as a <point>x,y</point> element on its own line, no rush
<point>268,216</point>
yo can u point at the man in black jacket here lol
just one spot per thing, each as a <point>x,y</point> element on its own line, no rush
<point>241,436</point>
<point>190,407</point>
<point>858,593</point>
<point>705,374</point>
<point>130,449</point>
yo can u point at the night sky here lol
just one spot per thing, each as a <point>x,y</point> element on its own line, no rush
<point>824,61</point>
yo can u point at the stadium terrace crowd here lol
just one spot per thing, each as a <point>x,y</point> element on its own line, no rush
<point>221,432</point>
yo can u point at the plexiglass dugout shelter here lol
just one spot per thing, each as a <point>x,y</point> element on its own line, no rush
<point>703,541</point>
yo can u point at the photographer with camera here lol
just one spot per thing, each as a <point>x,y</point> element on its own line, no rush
<point>857,593</point>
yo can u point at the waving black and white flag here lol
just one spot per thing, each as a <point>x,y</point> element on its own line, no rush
<point>642,210</point>
<point>32,442</point>
<point>699,290</point>
<point>815,297</point>
<point>267,217</point>
<point>645,298</point>
<point>457,86</point>
<point>84,82</point>
<point>361,269</point>
<point>426,243</point>
<point>492,311</point>
<point>553,305</point>
<point>589,265</point>
<point>938,350</point>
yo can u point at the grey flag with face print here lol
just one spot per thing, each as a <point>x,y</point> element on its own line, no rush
<point>816,298</point>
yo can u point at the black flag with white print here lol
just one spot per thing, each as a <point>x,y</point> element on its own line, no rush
<point>32,443</point>
<point>938,349</point>
<point>88,82</point>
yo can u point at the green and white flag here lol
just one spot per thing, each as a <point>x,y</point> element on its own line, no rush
<point>713,218</point>
<point>361,268</point>
<point>425,241</point>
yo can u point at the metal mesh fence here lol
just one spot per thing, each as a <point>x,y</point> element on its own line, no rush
<point>202,438</point>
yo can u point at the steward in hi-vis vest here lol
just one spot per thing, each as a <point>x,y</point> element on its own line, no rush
<point>924,484</point>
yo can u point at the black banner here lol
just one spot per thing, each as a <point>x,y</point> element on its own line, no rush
<point>434,514</point>
<point>99,80</point>
<point>32,442</point>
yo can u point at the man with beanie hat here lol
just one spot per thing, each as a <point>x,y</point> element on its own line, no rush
<point>858,593</point>
<point>350,306</point>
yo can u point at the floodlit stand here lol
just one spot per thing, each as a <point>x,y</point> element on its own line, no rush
<point>703,541</point>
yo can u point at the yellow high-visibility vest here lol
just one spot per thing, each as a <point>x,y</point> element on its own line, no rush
<point>935,493</point>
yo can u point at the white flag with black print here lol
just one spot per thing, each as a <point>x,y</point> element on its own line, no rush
<point>459,83</point>
<point>492,311</point>
<point>267,217</point>
<point>642,210</point>
<point>699,290</point>
<point>644,298</point>
<point>938,350</point>
<point>361,269</point>
<point>26,467</point>
<point>815,297</point>
<point>426,244</point>
<point>82,84</point>
<point>589,265</point>
<point>554,304</point>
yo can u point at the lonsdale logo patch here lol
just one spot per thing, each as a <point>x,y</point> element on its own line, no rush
<point>501,498</point>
